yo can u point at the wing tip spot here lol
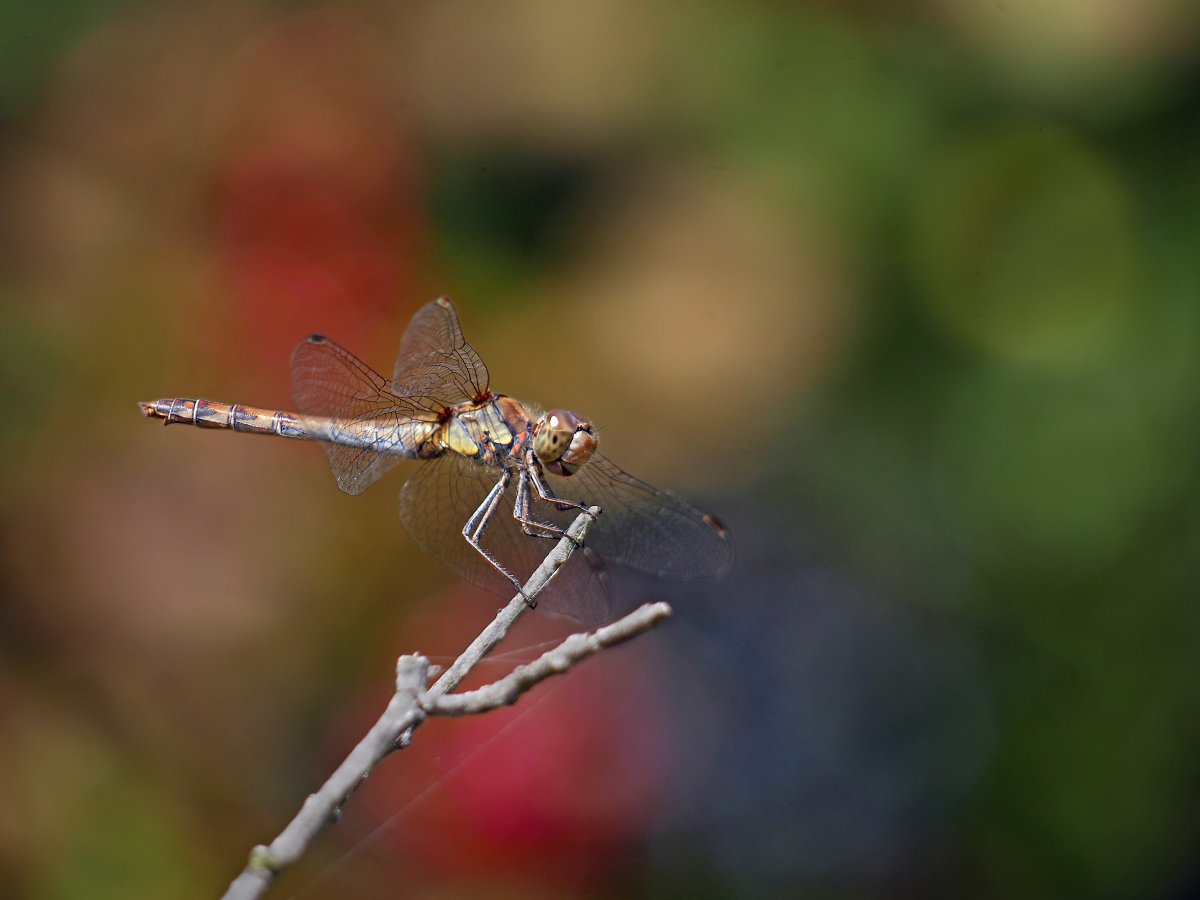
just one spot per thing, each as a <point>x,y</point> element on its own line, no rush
<point>316,339</point>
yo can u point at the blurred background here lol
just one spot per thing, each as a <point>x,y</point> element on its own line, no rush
<point>906,294</point>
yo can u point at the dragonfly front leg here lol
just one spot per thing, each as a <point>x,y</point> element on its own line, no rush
<point>546,494</point>
<point>478,523</point>
<point>521,513</point>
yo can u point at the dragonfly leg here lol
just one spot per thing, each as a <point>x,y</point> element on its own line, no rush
<point>521,513</point>
<point>478,522</point>
<point>548,495</point>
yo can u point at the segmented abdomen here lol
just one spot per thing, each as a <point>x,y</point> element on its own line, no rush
<point>212,414</point>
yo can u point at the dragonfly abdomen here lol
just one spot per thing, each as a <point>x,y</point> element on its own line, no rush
<point>412,438</point>
<point>234,416</point>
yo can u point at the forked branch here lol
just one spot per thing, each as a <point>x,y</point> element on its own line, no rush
<point>413,702</point>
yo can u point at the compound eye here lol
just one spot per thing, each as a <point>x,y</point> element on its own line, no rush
<point>554,433</point>
<point>563,442</point>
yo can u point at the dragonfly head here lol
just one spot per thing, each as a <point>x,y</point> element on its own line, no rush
<point>563,442</point>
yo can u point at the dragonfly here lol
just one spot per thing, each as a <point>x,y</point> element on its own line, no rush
<point>498,477</point>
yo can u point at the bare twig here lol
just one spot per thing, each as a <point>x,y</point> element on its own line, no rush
<point>572,650</point>
<point>403,712</point>
<point>412,703</point>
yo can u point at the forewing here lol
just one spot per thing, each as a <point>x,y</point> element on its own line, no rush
<point>643,527</point>
<point>330,381</point>
<point>438,500</point>
<point>436,367</point>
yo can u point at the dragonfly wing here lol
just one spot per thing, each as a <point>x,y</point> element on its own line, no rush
<point>436,503</point>
<point>436,367</point>
<point>645,528</point>
<point>332,382</point>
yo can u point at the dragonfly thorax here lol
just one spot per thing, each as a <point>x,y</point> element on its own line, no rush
<point>563,442</point>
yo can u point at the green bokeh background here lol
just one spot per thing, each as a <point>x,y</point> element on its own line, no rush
<point>910,294</point>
